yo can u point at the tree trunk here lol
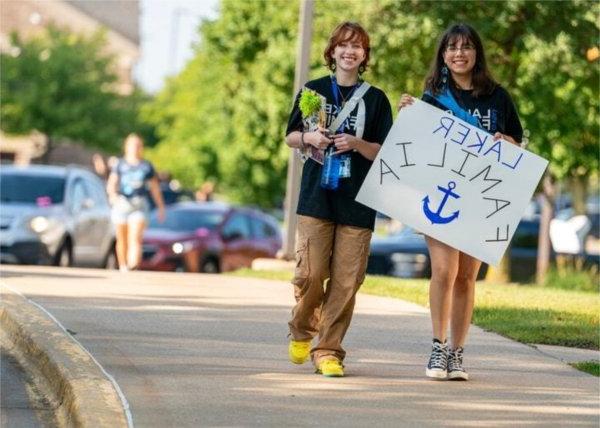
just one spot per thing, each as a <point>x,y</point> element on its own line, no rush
<point>544,244</point>
<point>579,188</point>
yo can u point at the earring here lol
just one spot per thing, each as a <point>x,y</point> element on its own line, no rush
<point>361,69</point>
<point>333,65</point>
<point>444,74</point>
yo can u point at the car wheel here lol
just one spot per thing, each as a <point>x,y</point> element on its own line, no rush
<point>210,265</point>
<point>64,256</point>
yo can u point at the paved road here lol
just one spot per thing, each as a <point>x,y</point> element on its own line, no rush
<point>202,350</point>
<point>21,406</point>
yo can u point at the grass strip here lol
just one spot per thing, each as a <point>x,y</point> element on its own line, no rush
<point>591,367</point>
<point>526,313</point>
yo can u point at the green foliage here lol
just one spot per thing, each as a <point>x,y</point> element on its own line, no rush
<point>224,116</point>
<point>62,85</point>
<point>309,103</point>
<point>571,278</point>
<point>591,367</point>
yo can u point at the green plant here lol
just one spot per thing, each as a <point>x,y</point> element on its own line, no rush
<point>591,367</point>
<point>63,85</point>
<point>527,313</point>
<point>569,278</point>
<point>310,102</point>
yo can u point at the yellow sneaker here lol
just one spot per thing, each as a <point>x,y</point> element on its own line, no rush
<point>299,351</point>
<point>331,368</point>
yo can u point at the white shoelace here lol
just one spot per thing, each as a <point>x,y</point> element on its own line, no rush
<point>455,358</point>
<point>439,356</point>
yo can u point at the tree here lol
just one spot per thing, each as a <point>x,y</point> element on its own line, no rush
<point>62,85</point>
<point>224,116</point>
<point>538,51</point>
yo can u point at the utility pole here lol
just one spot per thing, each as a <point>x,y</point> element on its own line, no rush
<point>294,164</point>
<point>176,15</point>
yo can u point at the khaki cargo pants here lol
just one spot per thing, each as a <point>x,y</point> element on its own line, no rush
<point>326,250</point>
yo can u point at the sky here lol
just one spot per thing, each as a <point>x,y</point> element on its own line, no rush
<point>168,29</point>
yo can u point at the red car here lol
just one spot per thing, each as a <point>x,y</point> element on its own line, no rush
<point>209,237</point>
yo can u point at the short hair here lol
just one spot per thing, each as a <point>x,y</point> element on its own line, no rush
<point>345,32</point>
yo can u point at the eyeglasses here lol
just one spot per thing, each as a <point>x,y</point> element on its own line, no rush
<point>464,48</point>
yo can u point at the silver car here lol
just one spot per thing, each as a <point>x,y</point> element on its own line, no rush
<point>54,215</point>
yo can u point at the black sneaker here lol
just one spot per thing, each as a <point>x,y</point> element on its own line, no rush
<point>455,368</point>
<point>437,367</point>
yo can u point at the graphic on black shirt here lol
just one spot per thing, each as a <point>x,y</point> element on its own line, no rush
<point>340,206</point>
<point>495,111</point>
<point>133,178</point>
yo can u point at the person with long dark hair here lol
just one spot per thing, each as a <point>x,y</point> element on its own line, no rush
<point>334,231</point>
<point>460,82</point>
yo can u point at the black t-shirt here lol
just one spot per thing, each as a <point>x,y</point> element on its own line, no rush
<point>496,111</point>
<point>133,179</point>
<point>339,205</point>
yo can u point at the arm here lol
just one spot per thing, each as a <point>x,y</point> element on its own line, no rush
<point>157,197</point>
<point>112,187</point>
<point>316,138</point>
<point>499,135</point>
<point>382,125</point>
<point>347,142</point>
<point>513,132</point>
<point>405,100</point>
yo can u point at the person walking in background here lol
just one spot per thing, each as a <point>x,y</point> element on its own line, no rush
<point>130,182</point>
<point>334,231</point>
<point>100,167</point>
<point>460,82</point>
<point>205,192</point>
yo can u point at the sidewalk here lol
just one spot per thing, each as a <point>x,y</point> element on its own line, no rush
<point>209,350</point>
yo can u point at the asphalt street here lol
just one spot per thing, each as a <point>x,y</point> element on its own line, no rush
<point>211,350</point>
<point>21,405</point>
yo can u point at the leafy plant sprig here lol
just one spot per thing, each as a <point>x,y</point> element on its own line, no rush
<point>310,102</point>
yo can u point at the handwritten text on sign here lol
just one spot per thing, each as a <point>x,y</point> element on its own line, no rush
<point>451,181</point>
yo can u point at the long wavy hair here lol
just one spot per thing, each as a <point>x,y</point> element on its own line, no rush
<point>483,82</point>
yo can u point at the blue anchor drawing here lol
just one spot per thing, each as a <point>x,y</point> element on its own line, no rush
<point>435,217</point>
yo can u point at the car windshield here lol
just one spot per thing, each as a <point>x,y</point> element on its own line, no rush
<point>188,220</point>
<point>41,190</point>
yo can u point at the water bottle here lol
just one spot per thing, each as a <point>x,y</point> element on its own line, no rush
<point>330,173</point>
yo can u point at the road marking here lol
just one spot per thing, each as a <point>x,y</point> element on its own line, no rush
<point>124,401</point>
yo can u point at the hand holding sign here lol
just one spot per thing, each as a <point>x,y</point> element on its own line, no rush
<point>452,181</point>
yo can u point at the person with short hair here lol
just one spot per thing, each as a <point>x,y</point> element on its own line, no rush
<point>131,181</point>
<point>460,82</point>
<point>334,231</point>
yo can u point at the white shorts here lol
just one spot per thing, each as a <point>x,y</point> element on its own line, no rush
<point>130,210</point>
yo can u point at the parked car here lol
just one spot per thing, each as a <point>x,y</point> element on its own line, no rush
<point>209,237</point>
<point>54,215</point>
<point>172,195</point>
<point>405,254</point>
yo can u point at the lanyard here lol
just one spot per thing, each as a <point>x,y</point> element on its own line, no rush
<point>447,99</point>
<point>336,95</point>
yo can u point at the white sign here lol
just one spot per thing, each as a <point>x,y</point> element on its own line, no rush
<point>451,181</point>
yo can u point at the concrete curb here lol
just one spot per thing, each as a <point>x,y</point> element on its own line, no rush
<point>85,395</point>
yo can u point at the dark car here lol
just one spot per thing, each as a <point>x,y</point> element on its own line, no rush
<point>172,194</point>
<point>209,237</point>
<point>405,254</point>
<point>54,215</point>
